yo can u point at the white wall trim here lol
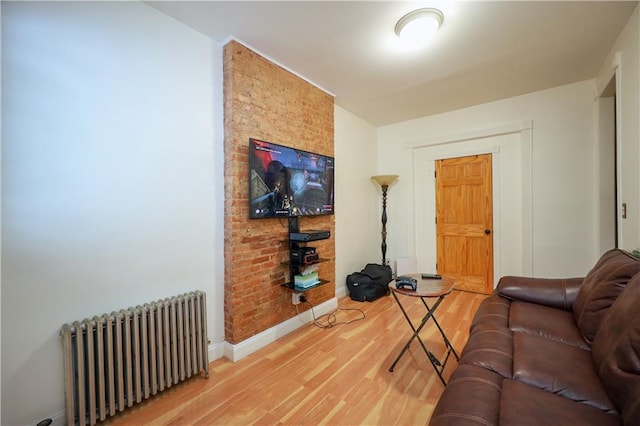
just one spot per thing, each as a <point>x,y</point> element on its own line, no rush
<point>495,188</point>
<point>246,347</point>
<point>216,350</point>
<point>602,82</point>
<point>464,153</point>
<point>526,140</point>
<point>473,134</point>
<point>524,129</point>
<point>617,73</point>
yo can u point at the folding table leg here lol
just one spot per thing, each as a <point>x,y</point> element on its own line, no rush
<point>448,344</point>
<point>416,335</point>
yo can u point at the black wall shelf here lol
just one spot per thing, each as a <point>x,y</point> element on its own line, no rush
<point>295,268</point>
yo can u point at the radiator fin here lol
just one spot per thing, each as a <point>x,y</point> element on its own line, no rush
<point>114,361</point>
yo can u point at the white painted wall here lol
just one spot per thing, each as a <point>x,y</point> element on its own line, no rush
<point>624,61</point>
<point>563,209</point>
<point>357,198</point>
<point>111,174</point>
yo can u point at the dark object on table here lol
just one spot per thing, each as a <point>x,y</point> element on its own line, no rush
<point>406,282</point>
<point>431,277</point>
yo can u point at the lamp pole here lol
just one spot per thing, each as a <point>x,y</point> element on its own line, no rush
<point>384,181</point>
<point>384,224</point>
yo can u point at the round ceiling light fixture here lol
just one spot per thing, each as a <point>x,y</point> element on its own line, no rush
<point>420,25</point>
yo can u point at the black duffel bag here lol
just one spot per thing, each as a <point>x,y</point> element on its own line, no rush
<point>369,284</point>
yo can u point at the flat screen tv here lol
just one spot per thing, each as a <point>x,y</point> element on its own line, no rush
<point>285,182</point>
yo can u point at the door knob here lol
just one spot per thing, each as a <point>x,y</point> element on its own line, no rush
<point>487,231</point>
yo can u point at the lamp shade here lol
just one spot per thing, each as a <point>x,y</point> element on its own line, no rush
<point>384,180</point>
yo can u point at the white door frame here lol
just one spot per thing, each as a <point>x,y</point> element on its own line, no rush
<point>615,72</point>
<point>425,155</point>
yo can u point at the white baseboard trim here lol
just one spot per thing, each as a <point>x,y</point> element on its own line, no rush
<point>240,350</point>
<point>341,291</point>
<point>216,351</point>
<point>58,419</point>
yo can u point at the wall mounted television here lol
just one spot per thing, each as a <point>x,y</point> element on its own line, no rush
<point>289,182</point>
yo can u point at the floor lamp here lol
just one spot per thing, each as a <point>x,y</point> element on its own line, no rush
<point>384,181</point>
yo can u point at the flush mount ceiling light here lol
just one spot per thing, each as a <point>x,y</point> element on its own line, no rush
<point>420,25</point>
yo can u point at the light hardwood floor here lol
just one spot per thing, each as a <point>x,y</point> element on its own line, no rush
<point>338,375</point>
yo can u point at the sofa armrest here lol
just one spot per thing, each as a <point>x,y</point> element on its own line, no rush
<point>554,292</point>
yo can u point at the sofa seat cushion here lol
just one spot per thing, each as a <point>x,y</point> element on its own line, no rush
<point>494,310</point>
<point>547,322</point>
<point>560,369</point>
<point>473,398</point>
<point>616,352</point>
<point>523,405</point>
<point>600,289</point>
<point>491,348</point>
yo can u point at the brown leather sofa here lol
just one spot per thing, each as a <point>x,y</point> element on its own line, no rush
<point>552,352</point>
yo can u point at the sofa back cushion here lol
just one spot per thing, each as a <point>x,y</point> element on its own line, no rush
<point>601,288</point>
<point>616,353</point>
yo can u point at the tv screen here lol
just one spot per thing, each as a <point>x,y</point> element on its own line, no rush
<point>287,182</point>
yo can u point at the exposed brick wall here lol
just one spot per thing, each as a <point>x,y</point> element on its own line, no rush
<point>266,102</point>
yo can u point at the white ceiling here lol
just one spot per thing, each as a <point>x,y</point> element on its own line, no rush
<point>484,51</point>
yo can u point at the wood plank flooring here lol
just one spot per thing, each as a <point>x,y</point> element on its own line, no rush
<point>339,375</point>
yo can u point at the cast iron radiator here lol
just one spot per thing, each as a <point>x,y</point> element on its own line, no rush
<point>116,360</point>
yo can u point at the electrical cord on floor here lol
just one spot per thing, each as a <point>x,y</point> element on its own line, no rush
<point>331,317</point>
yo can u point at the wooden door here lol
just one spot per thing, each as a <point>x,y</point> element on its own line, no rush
<point>464,222</point>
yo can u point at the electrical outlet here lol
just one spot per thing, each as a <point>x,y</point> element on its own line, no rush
<point>295,298</point>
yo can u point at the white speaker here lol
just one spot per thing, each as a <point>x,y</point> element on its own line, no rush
<point>406,265</point>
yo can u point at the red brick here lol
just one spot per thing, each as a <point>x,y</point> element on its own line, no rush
<point>264,101</point>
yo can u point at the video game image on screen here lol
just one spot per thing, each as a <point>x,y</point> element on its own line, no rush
<point>287,182</point>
